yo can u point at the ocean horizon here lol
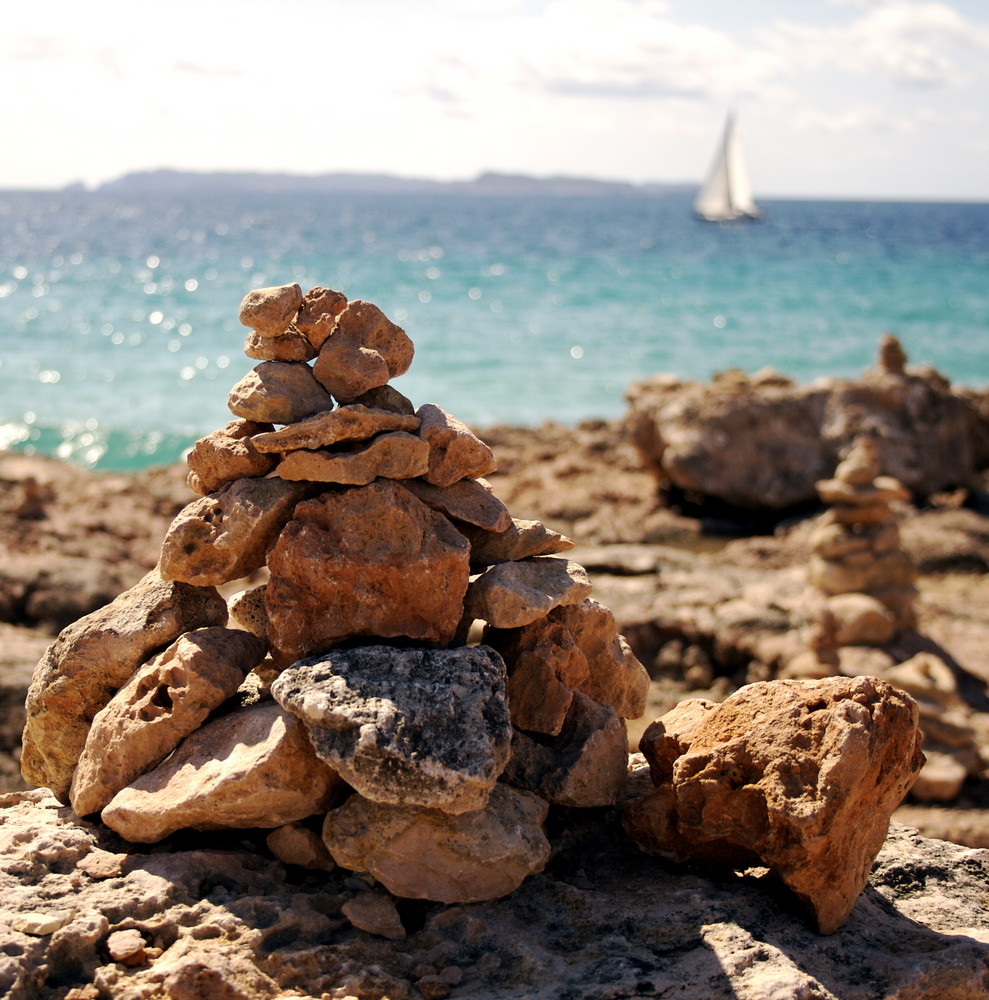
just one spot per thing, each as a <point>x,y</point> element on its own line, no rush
<point>119,338</point>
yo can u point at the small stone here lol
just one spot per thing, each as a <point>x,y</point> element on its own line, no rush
<point>940,779</point>
<point>509,595</point>
<point>363,352</point>
<point>861,620</point>
<point>289,346</point>
<point>433,988</point>
<point>226,455</point>
<point>251,768</point>
<point>469,500</point>
<point>521,540</point>
<point>422,727</point>
<point>353,422</point>
<point>396,455</point>
<point>39,923</point>
<point>269,311</point>
<point>295,844</point>
<point>376,913</point>
<point>386,397</point>
<point>102,864</point>
<point>278,392</point>
<point>225,536</point>
<point>127,947</point>
<point>455,451</point>
<point>248,611</point>
<point>318,314</point>
<point>428,854</point>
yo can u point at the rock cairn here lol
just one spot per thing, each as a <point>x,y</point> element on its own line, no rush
<point>857,561</point>
<point>345,688</point>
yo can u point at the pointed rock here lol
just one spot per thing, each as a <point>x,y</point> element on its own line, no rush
<point>225,536</point>
<point>248,611</point>
<point>455,451</point>
<point>278,392</point>
<point>252,768</point>
<point>510,595</point>
<point>469,500</point>
<point>269,311</point>
<point>396,455</point>
<point>226,455</point>
<point>376,913</point>
<point>92,659</point>
<point>428,854</point>
<point>167,698</point>
<point>386,397</point>
<point>353,422</point>
<point>318,314</point>
<point>521,540</point>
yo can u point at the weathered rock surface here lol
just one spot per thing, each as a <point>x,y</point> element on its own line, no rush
<point>455,451</point>
<point>252,768</point>
<point>469,500</point>
<point>163,702</point>
<point>417,727</point>
<point>369,561</point>
<point>428,854</point>
<point>801,776</point>
<point>290,346</point>
<point>509,595</point>
<point>520,540</point>
<point>395,455</point>
<point>278,392</point>
<point>227,454</point>
<point>318,314</point>
<point>353,422</point>
<point>270,311</point>
<point>226,535</point>
<point>91,659</point>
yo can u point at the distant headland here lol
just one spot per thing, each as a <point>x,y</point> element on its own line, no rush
<point>166,181</point>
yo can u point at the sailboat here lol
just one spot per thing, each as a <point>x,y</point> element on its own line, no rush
<point>726,195</point>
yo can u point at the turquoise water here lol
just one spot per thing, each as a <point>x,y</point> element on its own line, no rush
<point>119,337</point>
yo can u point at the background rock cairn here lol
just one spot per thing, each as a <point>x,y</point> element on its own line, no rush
<point>337,701</point>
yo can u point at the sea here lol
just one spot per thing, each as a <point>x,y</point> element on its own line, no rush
<point>119,337</point>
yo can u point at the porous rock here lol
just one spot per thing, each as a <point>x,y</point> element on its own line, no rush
<point>469,500</point>
<point>368,561</point>
<point>318,314</point>
<point>289,346</point>
<point>520,540</point>
<point>353,422</point>
<point>395,455</point>
<point>165,699</point>
<point>428,854</point>
<point>278,392</point>
<point>363,352</point>
<point>509,595</point>
<point>801,776</point>
<point>227,454</point>
<point>269,311</point>
<point>225,536</point>
<point>455,451</point>
<point>251,768</point>
<point>422,727</point>
<point>94,657</point>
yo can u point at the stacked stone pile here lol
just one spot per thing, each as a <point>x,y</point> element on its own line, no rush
<point>344,686</point>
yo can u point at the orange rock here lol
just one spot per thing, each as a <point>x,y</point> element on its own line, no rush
<point>395,455</point>
<point>512,594</point>
<point>318,314</point>
<point>278,392</point>
<point>455,451</point>
<point>353,422</point>
<point>226,455</point>
<point>269,311</point>
<point>469,500</point>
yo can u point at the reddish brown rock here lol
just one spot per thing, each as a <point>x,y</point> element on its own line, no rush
<point>469,500</point>
<point>225,536</point>
<point>520,540</point>
<point>94,657</point>
<point>800,776</point>
<point>278,392</point>
<point>318,314</point>
<point>427,854</point>
<point>363,352</point>
<point>163,702</point>
<point>386,397</point>
<point>252,768</point>
<point>269,311</point>
<point>396,455</point>
<point>353,422</point>
<point>510,595</point>
<point>289,346</point>
<point>226,455</point>
<point>369,561</point>
<point>455,451</point>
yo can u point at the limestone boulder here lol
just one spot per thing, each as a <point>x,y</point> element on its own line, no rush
<point>800,776</point>
<point>318,314</point>
<point>164,701</point>
<point>428,854</point>
<point>520,540</point>
<point>270,311</point>
<point>92,659</point>
<point>421,727</point>
<point>364,351</point>
<point>252,768</point>
<point>395,455</point>
<point>509,595</point>
<point>225,536</point>
<point>368,561</point>
<point>353,422</point>
<point>278,392</point>
<point>228,454</point>
<point>469,500</point>
<point>455,451</point>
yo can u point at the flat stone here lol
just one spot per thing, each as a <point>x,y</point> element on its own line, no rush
<point>615,676</point>
<point>396,455</point>
<point>367,561</point>
<point>520,540</point>
<point>163,702</point>
<point>422,727</point>
<point>509,595</point>
<point>353,422</point>
<point>318,314</point>
<point>455,451</point>
<point>428,854</point>
<point>225,536</point>
<point>269,311</point>
<point>251,768</point>
<point>584,766</point>
<point>376,913</point>
<point>800,776</point>
<point>278,392</point>
<point>865,495</point>
<point>289,346</point>
<point>92,659</point>
<point>226,455</point>
<point>364,351</point>
<point>469,500</point>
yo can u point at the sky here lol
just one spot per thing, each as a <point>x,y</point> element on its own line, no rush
<point>833,98</point>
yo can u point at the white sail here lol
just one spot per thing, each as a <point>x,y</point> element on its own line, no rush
<point>726,195</point>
